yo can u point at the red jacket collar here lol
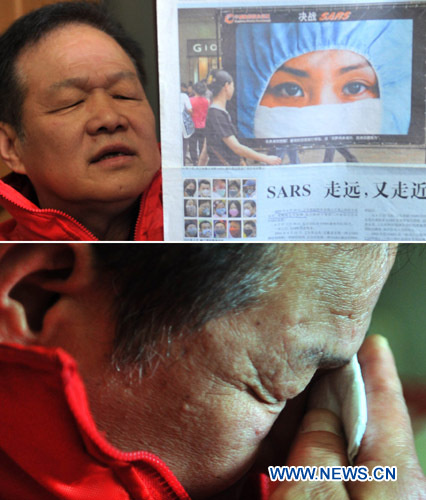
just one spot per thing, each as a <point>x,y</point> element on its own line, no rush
<point>31,223</point>
<point>50,446</point>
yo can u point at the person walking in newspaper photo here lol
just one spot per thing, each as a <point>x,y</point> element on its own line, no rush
<point>221,146</point>
<point>200,106</point>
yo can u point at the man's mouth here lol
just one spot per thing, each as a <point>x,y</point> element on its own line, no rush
<point>112,152</point>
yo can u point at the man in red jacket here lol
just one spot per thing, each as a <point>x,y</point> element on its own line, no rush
<point>76,130</point>
<point>162,371</point>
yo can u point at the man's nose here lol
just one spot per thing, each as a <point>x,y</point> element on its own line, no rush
<point>105,116</point>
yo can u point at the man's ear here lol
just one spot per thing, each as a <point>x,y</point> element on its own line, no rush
<point>10,148</point>
<point>34,279</point>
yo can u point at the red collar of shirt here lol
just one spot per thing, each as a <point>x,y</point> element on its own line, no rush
<point>50,446</point>
<point>31,223</point>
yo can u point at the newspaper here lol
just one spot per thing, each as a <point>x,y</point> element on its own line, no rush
<point>301,121</point>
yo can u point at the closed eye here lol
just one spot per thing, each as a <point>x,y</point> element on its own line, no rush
<point>68,106</point>
<point>125,98</point>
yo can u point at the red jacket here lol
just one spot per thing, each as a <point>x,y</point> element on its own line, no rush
<point>31,223</point>
<point>51,449</point>
<point>200,107</point>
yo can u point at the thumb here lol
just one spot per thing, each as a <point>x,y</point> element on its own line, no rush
<point>319,442</point>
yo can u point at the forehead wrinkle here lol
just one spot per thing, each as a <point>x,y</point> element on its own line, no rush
<point>83,82</point>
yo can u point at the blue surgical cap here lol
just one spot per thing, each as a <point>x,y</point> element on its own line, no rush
<point>387,45</point>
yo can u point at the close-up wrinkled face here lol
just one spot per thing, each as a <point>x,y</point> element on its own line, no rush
<point>316,316</point>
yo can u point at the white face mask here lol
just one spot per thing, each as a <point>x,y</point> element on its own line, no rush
<point>191,210</point>
<point>362,117</point>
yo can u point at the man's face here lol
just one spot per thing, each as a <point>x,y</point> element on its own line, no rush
<point>322,77</point>
<point>89,130</point>
<point>235,229</point>
<point>220,229</point>
<point>229,90</point>
<point>318,315</point>
<point>250,230</point>
<point>219,185</point>
<point>261,357</point>
<point>234,189</point>
<point>191,230</point>
<point>204,189</point>
<point>248,190</point>
<point>205,229</point>
<point>204,209</point>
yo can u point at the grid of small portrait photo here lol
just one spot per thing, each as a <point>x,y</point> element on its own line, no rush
<point>220,209</point>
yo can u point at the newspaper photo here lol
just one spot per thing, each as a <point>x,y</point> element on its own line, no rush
<point>301,121</point>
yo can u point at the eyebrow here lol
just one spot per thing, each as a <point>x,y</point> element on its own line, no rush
<point>81,82</point>
<point>305,74</point>
<point>354,67</point>
<point>294,71</point>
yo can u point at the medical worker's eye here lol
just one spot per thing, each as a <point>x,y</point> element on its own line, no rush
<point>287,89</point>
<point>354,88</point>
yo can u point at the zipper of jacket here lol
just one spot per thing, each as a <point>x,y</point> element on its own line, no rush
<point>153,459</point>
<point>139,219</point>
<point>53,212</point>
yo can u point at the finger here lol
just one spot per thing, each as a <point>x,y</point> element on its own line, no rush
<point>319,442</point>
<point>388,440</point>
<point>389,435</point>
